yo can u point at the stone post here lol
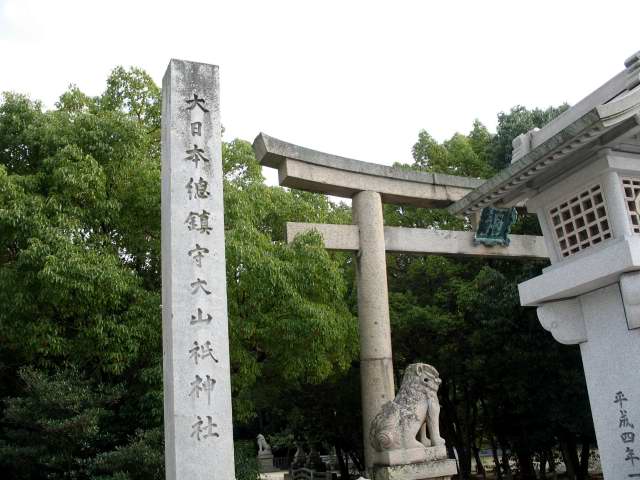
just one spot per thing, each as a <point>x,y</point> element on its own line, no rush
<point>197,390</point>
<point>612,370</point>
<point>602,323</point>
<point>376,367</point>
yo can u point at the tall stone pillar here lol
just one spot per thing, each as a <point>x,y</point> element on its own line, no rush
<point>197,384</point>
<point>376,367</point>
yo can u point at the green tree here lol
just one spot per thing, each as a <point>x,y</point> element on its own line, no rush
<point>80,342</point>
<point>518,121</point>
<point>133,92</point>
<point>79,279</point>
<point>59,421</point>
<point>460,155</point>
<point>290,323</point>
<point>80,283</point>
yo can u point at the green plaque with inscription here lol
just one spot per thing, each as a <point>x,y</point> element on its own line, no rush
<point>494,226</point>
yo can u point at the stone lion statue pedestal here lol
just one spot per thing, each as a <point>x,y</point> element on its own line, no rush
<point>265,457</point>
<point>442,469</point>
<point>399,431</point>
<point>411,455</point>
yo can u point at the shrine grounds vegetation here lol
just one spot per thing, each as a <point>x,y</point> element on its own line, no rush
<point>80,314</point>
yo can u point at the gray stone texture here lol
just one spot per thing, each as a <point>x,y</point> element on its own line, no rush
<point>265,462</point>
<point>306,169</point>
<point>376,367</point>
<point>611,359</point>
<point>423,241</point>
<point>197,400</point>
<point>584,273</point>
<point>442,469</point>
<point>404,427</point>
<point>599,265</point>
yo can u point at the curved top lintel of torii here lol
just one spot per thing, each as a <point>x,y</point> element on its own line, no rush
<point>314,171</point>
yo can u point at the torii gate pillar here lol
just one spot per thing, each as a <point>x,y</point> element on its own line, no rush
<point>376,365</point>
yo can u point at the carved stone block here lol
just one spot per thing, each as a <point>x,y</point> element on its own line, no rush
<point>564,320</point>
<point>411,455</point>
<point>265,460</point>
<point>442,469</point>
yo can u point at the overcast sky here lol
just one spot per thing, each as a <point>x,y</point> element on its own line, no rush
<point>353,78</point>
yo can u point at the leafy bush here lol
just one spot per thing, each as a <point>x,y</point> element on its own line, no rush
<point>247,467</point>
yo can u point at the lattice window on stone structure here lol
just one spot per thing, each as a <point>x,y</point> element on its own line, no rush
<point>581,221</point>
<point>631,188</point>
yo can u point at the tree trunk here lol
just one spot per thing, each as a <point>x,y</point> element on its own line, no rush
<point>496,460</point>
<point>459,438</point>
<point>508,475</point>
<point>357,461</point>
<point>467,432</point>
<point>479,465</point>
<point>583,471</point>
<point>569,454</point>
<point>464,462</point>
<point>552,464</point>
<point>526,465</point>
<point>543,465</point>
<point>344,470</point>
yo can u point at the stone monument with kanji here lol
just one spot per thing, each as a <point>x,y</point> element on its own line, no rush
<point>197,387</point>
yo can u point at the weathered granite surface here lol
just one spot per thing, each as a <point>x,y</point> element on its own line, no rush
<point>442,469</point>
<point>414,411</point>
<point>611,359</point>
<point>376,367</point>
<point>271,152</point>
<point>306,169</point>
<point>263,447</point>
<point>197,390</point>
<point>422,241</point>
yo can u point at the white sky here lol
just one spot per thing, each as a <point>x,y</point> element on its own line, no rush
<point>353,78</point>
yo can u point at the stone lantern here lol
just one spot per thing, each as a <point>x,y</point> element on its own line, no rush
<point>581,175</point>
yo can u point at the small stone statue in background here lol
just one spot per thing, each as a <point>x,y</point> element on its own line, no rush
<point>300,458</point>
<point>263,446</point>
<point>265,457</point>
<point>416,409</point>
<point>314,461</point>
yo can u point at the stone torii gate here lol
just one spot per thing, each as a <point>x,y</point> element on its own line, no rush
<point>370,185</point>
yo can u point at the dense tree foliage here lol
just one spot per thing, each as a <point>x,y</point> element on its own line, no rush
<point>519,120</point>
<point>506,382</point>
<point>80,323</point>
<point>80,327</point>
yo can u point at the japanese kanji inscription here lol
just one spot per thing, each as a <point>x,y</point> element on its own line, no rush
<point>627,436</point>
<point>195,329</point>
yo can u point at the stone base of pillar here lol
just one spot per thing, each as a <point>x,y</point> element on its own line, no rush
<point>435,470</point>
<point>265,461</point>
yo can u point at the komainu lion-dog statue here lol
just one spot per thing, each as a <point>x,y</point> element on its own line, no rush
<point>415,410</point>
